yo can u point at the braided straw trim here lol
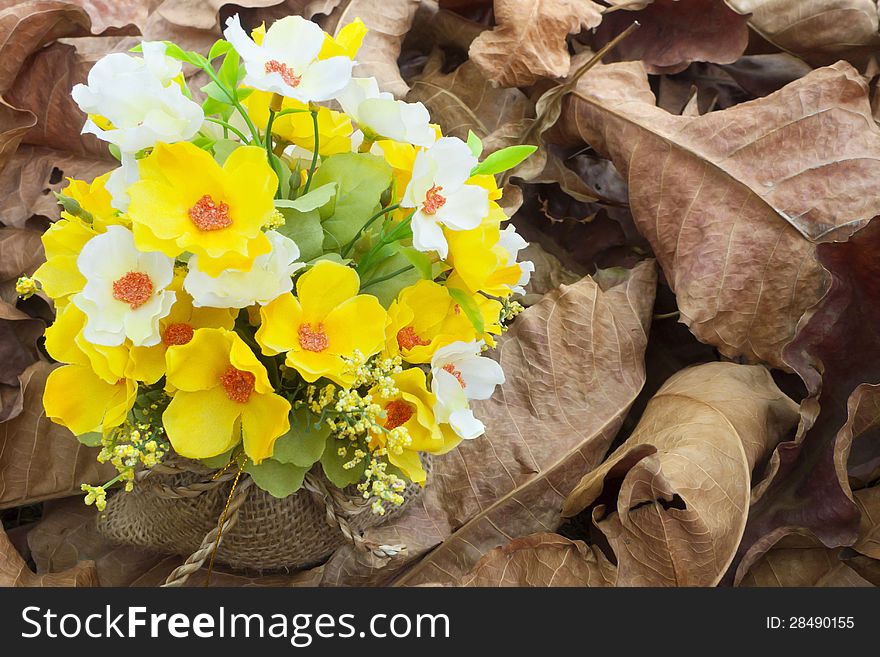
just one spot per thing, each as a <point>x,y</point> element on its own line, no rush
<point>195,561</point>
<point>337,506</point>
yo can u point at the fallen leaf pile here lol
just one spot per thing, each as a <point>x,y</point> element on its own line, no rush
<point>693,390</point>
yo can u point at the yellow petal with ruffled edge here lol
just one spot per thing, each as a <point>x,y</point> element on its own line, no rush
<point>264,418</point>
<point>242,358</point>
<point>313,365</point>
<point>203,423</point>
<point>199,364</point>
<point>323,287</point>
<point>59,276</point>
<point>346,43</point>
<point>358,323</point>
<point>279,325</point>
<point>81,401</point>
<point>410,465</point>
<point>61,336</point>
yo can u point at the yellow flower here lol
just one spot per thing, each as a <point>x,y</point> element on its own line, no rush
<point>346,43</point>
<point>80,400</point>
<point>479,262</point>
<point>424,317</point>
<point>326,323</point>
<point>411,409</point>
<point>185,201</point>
<point>334,128</point>
<point>59,276</point>
<point>222,397</point>
<point>177,328</point>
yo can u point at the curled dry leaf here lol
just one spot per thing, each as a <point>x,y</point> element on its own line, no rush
<point>464,100</point>
<point>202,14</point>
<point>836,351</point>
<point>543,560</point>
<point>574,364</point>
<point>41,460</point>
<point>529,41</point>
<point>675,33</point>
<point>672,500</point>
<point>389,21</point>
<point>737,241</point>
<point>818,31</point>
<point>15,572</point>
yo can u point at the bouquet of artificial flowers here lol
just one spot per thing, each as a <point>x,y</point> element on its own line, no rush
<point>270,291</point>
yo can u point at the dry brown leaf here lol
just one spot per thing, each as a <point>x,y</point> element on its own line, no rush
<point>464,100</point>
<point>673,500</point>
<point>529,41</point>
<point>736,240</point>
<point>202,14</point>
<point>818,31</point>
<point>40,460</point>
<point>388,21</point>
<point>14,571</point>
<point>574,364</point>
<point>798,560</point>
<point>21,252</point>
<point>543,560</point>
<point>674,33</point>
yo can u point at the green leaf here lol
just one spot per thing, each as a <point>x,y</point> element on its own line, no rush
<point>387,291</point>
<point>332,463</point>
<point>228,72</point>
<point>223,148</point>
<point>421,261</point>
<point>216,93</point>
<point>305,229</point>
<point>219,461</point>
<point>277,479</point>
<point>315,199</point>
<point>90,439</point>
<point>502,160</point>
<point>361,178</point>
<point>470,308</point>
<point>304,444</point>
<point>220,47</point>
<point>474,143</point>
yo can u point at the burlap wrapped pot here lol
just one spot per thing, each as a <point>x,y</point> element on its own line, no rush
<point>176,509</point>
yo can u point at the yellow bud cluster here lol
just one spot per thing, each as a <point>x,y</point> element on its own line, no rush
<point>385,486</point>
<point>26,287</point>
<point>276,220</point>
<point>96,495</point>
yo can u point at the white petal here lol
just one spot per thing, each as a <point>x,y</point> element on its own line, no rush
<point>325,78</point>
<point>464,208</point>
<point>242,43</point>
<point>416,121</point>
<point>294,41</point>
<point>480,375</point>
<point>455,352</point>
<point>466,425</point>
<point>428,235</point>
<point>454,162</point>
<point>142,324</point>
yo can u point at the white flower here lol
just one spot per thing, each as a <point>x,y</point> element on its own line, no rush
<point>379,114</point>
<point>459,373</point>
<point>269,278</point>
<point>438,192</point>
<point>287,63</point>
<point>512,242</point>
<point>121,179</point>
<point>124,295</point>
<point>134,103</point>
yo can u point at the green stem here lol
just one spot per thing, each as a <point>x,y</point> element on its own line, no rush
<point>314,155</point>
<point>233,98</point>
<point>273,160</point>
<point>382,279</point>
<point>227,126</point>
<point>366,263</point>
<point>383,211</point>
<point>290,110</point>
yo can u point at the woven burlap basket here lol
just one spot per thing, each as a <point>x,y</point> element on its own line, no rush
<point>176,508</point>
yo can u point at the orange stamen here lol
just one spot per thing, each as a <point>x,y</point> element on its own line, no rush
<point>287,74</point>
<point>397,413</point>
<point>407,338</point>
<point>449,367</point>
<point>207,215</point>
<point>177,334</point>
<point>135,289</point>
<point>433,200</point>
<point>313,340</point>
<point>238,384</point>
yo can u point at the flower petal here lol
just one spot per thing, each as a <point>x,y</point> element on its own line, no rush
<point>263,419</point>
<point>76,398</point>
<point>199,364</point>
<point>325,286</point>
<point>203,423</point>
<point>279,328</point>
<point>358,323</point>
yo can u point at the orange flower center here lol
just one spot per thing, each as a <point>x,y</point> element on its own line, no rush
<point>208,215</point>
<point>407,338</point>
<point>313,340</point>
<point>433,200</point>
<point>286,73</point>
<point>238,384</point>
<point>449,367</point>
<point>397,413</point>
<point>456,309</point>
<point>177,334</point>
<point>135,289</point>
